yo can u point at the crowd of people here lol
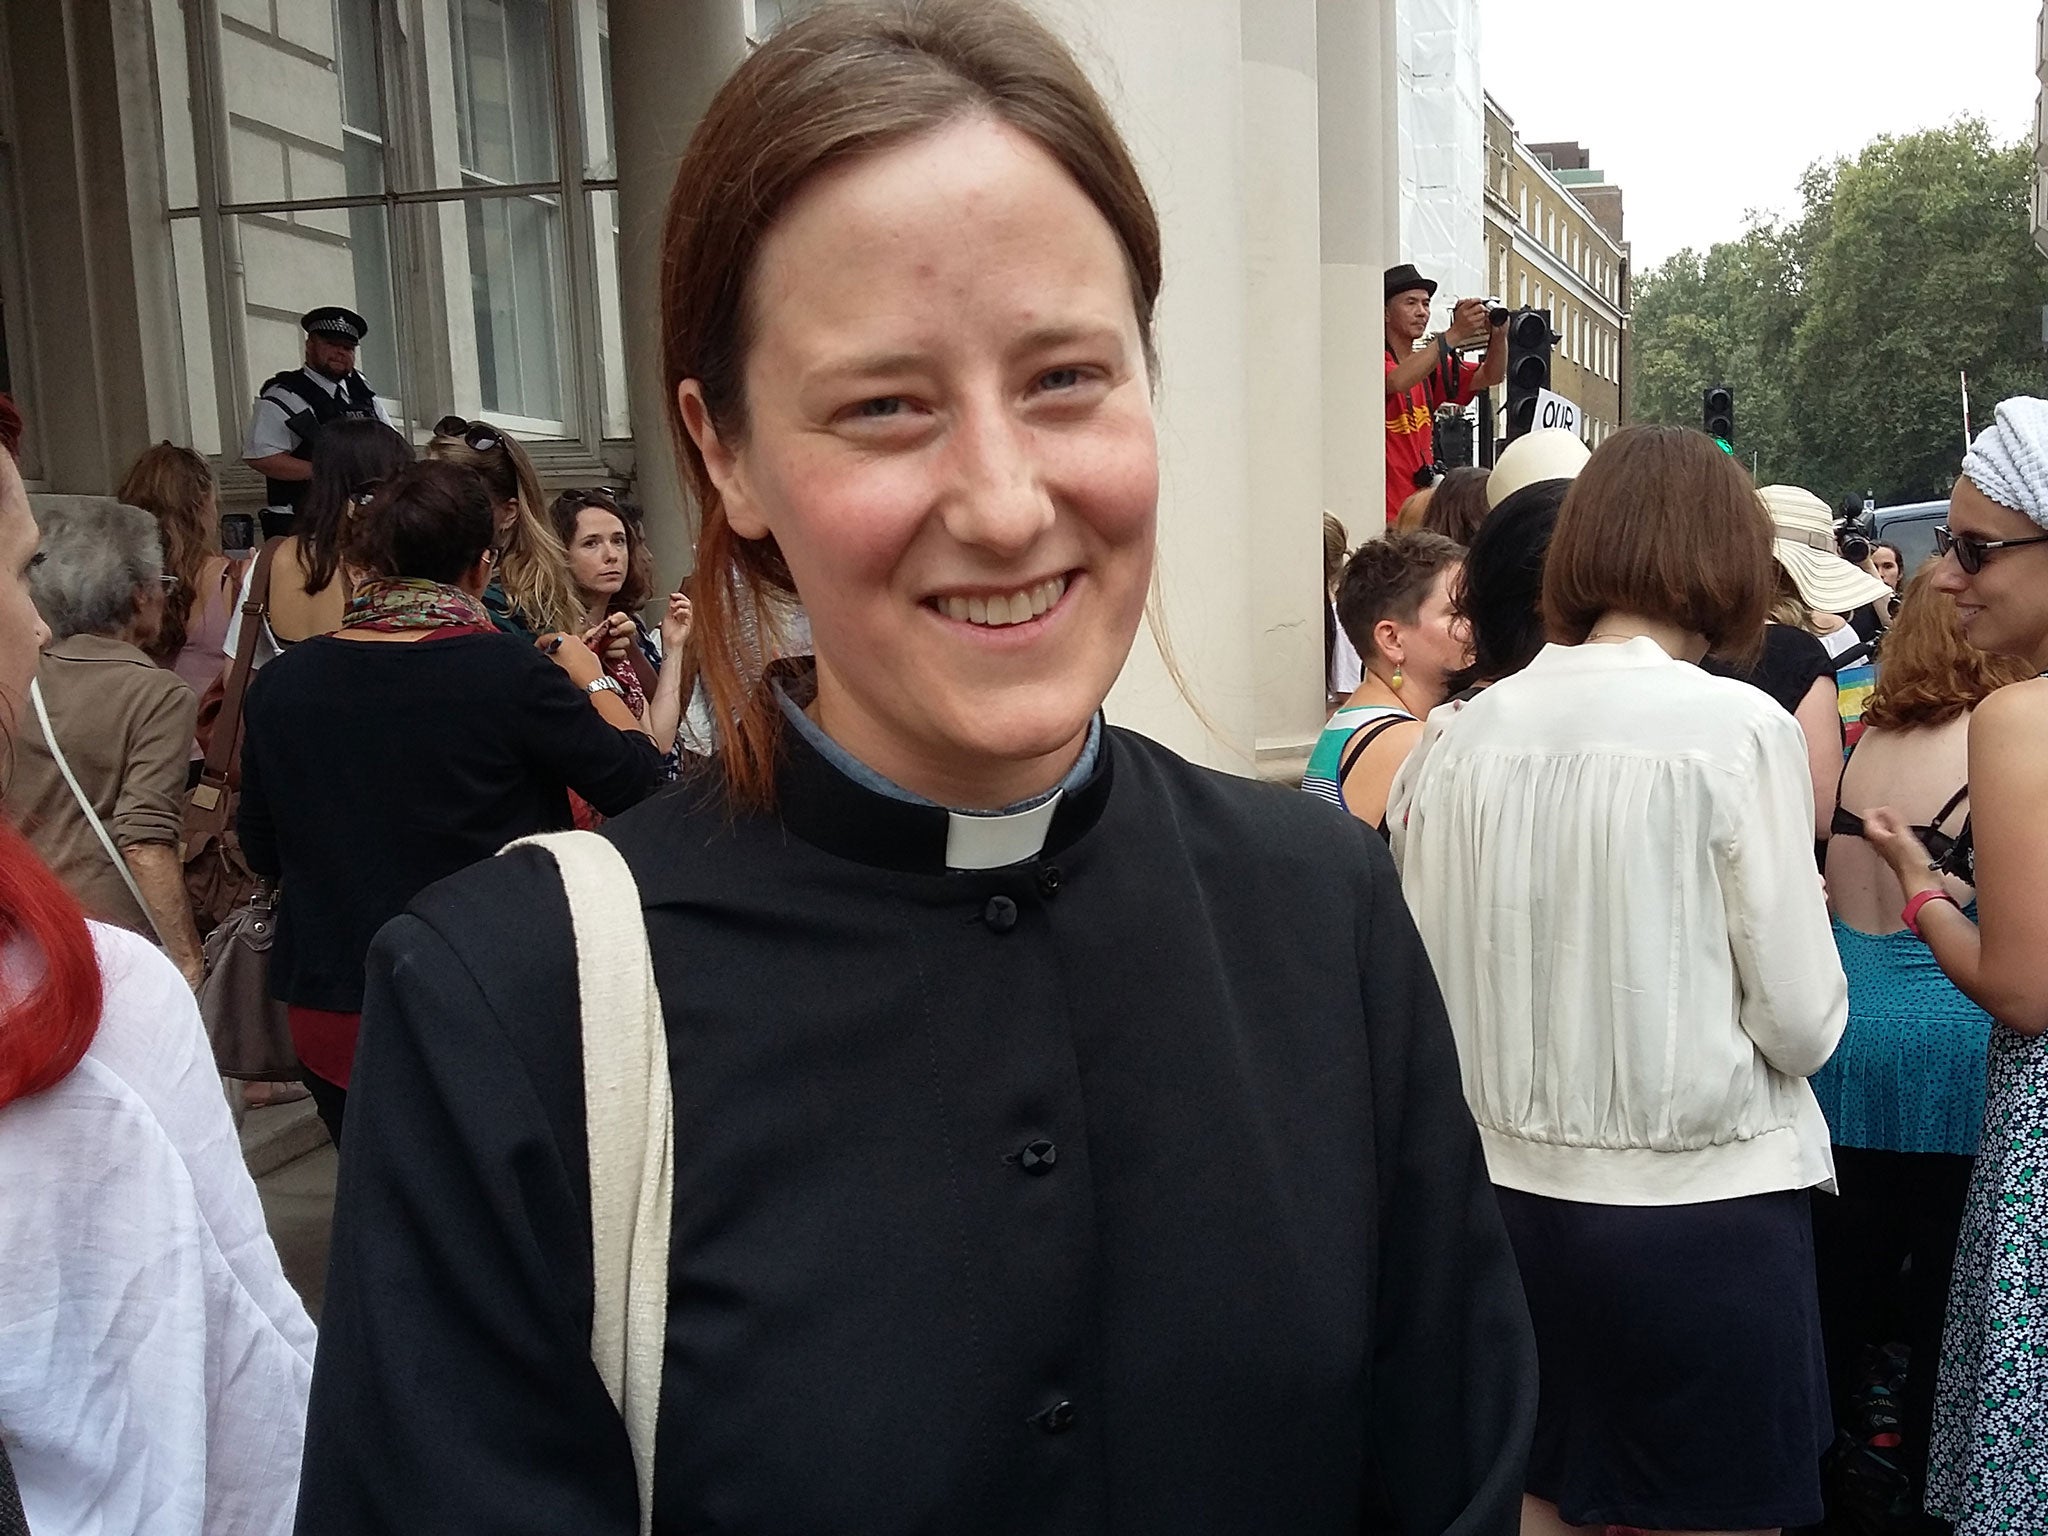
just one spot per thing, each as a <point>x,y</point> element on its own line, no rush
<point>1612,1098</point>
<point>1603,852</point>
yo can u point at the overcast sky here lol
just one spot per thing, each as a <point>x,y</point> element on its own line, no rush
<point>1786,81</point>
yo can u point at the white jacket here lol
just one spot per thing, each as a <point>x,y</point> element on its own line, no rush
<point>1610,857</point>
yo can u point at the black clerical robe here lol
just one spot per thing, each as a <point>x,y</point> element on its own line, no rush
<point>1126,1189</point>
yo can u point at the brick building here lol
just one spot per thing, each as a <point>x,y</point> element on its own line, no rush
<point>1554,240</point>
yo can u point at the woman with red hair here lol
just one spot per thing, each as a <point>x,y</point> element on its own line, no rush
<point>154,1362</point>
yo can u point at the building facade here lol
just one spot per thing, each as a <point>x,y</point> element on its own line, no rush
<point>2041,138</point>
<point>485,181</point>
<point>1554,241</point>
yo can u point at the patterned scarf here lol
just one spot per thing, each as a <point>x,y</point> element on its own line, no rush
<point>411,603</point>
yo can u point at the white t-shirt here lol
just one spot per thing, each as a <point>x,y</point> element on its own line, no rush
<point>154,1361</point>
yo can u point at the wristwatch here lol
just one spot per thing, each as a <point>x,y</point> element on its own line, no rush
<point>605,684</point>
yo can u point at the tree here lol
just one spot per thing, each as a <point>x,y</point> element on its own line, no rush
<point>1842,331</point>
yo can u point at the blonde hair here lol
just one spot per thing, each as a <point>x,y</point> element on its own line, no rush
<point>533,567</point>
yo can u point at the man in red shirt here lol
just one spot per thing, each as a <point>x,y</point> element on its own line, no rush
<point>1420,381</point>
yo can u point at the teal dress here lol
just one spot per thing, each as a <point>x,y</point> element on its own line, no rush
<point>1909,1073</point>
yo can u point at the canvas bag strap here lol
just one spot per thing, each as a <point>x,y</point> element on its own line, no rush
<point>35,693</point>
<point>227,727</point>
<point>629,1113</point>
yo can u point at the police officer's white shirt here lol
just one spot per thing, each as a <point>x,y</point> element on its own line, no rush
<point>268,433</point>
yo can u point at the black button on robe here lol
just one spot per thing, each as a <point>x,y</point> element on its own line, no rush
<point>1261,1285</point>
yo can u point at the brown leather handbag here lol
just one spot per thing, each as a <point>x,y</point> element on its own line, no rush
<point>216,877</point>
<point>250,1030</point>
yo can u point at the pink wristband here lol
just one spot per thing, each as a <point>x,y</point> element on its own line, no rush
<point>1911,916</point>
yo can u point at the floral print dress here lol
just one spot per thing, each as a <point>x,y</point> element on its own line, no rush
<point>1988,1471</point>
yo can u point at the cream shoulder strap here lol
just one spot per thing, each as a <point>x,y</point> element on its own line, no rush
<point>630,1114</point>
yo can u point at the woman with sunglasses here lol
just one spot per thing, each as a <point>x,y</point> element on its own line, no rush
<point>411,742</point>
<point>1985,1460</point>
<point>530,594</point>
<point>1904,1091</point>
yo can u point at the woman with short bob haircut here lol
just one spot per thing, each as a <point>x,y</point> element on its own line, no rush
<point>1046,1157</point>
<point>1609,856</point>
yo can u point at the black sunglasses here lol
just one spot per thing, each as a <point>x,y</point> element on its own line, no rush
<point>1970,552</point>
<point>482,438</point>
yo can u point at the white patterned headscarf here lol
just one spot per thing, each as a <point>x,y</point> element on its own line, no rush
<point>2009,460</point>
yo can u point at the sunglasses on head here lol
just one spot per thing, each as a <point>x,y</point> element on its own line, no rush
<point>476,434</point>
<point>1970,552</point>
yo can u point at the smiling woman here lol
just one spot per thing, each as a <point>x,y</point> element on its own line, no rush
<point>1984,1458</point>
<point>1046,1159</point>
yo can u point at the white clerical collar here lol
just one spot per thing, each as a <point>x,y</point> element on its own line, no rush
<point>974,840</point>
<point>999,839</point>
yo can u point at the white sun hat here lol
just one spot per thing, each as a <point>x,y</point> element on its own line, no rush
<point>1803,539</point>
<point>1551,454</point>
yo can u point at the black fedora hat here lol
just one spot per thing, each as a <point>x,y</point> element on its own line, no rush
<point>1400,279</point>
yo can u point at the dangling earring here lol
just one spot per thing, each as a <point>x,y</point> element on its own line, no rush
<point>1396,683</point>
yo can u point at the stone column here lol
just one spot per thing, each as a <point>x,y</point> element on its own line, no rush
<point>668,59</point>
<point>1283,369</point>
<point>1172,73</point>
<point>104,370</point>
<point>1360,237</point>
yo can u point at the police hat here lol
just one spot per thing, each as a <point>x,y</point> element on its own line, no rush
<point>335,323</point>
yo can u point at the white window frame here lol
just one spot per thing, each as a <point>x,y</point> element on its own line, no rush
<point>423,353</point>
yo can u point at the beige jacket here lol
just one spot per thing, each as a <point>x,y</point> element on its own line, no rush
<point>125,725</point>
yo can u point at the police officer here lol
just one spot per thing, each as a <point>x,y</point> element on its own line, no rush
<point>293,406</point>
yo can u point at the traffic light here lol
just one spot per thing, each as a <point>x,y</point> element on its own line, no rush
<point>1529,342</point>
<point>1717,412</point>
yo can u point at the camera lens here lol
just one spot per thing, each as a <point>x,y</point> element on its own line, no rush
<point>1498,315</point>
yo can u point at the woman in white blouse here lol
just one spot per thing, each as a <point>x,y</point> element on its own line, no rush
<point>1609,855</point>
<point>154,1362</point>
